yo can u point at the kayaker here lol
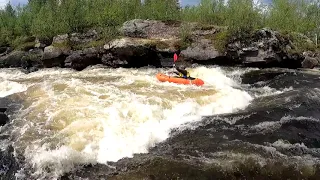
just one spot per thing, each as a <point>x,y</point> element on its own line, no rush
<point>182,72</point>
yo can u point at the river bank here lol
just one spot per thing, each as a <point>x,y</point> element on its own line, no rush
<point>140,43</point>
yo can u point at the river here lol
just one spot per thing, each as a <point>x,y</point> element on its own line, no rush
<point>99,115</point>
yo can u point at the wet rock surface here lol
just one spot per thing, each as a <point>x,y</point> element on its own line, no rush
<point>9,165</point>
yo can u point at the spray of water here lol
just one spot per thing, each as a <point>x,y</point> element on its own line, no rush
<point>99,115</point>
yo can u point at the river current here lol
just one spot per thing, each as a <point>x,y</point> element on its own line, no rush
<point>68,118</point>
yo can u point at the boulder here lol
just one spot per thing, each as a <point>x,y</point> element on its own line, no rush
<point>201,50</point>
<point>3,49</point>
<point>112,61</point>
<point>265,48</point>
<point>79,60</point>
<point>32,60</point>
<point>135,28</point>
<point>311,59</point>
<point>53,56</point>
<point>140,28</point>
<point>60,39</point>
<point>81,38</point>
<point>51,52</point>
<point>132,52</point>
<point>3,117</point>
<point>13,59</point>
<point>310,62</point>
<point>42,42</point>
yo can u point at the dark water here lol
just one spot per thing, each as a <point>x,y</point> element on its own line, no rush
<point>276,137</point>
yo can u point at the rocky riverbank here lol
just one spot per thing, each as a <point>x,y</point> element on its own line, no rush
<point>152,43</point>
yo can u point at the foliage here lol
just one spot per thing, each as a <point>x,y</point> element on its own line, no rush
<point>47,18</point>
<point>185,37</point>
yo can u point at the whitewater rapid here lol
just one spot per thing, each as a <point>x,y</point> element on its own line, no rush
<point>98,115</point>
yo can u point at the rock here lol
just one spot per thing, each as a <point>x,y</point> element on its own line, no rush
<point>310,62</point>
<point>79,60</point>
<point>12,60</point>
<point>265,48</point>
<point>139,28</point>
<point>60,39</point>
<point>201,50</point>
<point>135,28</point>
<point>131,52</point>
<point>80,38</point>
<point>3,119</point>
<point>51,52</point>
<point>53,56</point>
<point>9,162</point>
<point>112,61</point>
<point>40,45</point>
<point>2,109</point>
<point>3,49</point>
<point>32,60</point>
<point>42,42</point>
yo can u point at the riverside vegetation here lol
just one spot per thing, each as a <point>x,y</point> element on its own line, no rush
<point>225,29</point>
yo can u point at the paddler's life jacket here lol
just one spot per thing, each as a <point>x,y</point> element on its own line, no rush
<point>182,75</point>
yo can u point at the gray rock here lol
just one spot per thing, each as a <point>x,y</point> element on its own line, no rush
<point>135,28</point>
<point>79,60</point>
<point>131,52</point>
<point>2,109</point>
<point>60,39</point>
<point>201,50</point>
<point>12,60</point>
<point>54,56</point>
<point>80,38</point>
<point>112,61</point>
<point>40,45</point>
<point>140,28</point>
<point>310,62</point>
<point>3,119</point>
<point>3,49</point>
<point>32,60</point>
<point>264,48</point>
<point>51,52</point>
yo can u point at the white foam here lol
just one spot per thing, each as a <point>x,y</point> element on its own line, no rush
<point>10,87</point>
<point>286,145</point>
<point>269,126</point>
<point>57,161</point>
<point>268,91</point>
<point>101,115</point>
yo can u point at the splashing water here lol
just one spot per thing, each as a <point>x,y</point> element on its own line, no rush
<point>99,115</point>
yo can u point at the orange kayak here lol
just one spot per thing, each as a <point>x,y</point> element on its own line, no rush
<point>164,78</point>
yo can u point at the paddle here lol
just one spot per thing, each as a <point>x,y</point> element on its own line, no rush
<point>175,58</point>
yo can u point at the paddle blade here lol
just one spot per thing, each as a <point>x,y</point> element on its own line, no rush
<point>175,57</point>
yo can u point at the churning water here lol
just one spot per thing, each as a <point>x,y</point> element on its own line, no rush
<point>98,115</point>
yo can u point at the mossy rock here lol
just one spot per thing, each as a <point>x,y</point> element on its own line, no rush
<point>91,44</point>
<point>63,45</point>
<point>23,43</point>
<point>26,46</point>
<point>219,40</point>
